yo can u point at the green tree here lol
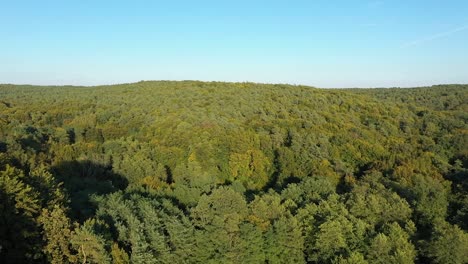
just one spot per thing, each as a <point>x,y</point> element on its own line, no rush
<point>58,232</point>
<point>284,242</point>
<point>449,244</point>
<point>90,246</point>
<point>20,238</point>
<point>392,246</point>
<point>218,218</point>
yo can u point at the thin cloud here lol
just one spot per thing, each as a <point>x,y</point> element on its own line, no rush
<point>433,37</point>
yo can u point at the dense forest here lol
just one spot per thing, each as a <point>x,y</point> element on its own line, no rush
<point>196,172</point>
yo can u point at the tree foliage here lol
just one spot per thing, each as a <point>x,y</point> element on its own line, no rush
<point>195,172</point>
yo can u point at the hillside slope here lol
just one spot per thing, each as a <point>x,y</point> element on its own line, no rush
<point>185,172</point>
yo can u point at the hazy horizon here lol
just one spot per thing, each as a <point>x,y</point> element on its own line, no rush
<point>267,83</point>
<point>322,44</point>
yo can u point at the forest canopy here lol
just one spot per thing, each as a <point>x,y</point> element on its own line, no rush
<point>212,172</point>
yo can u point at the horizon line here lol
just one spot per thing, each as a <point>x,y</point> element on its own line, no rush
<point>233,82</point>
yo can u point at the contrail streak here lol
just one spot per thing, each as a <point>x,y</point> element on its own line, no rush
<point>433,37</point>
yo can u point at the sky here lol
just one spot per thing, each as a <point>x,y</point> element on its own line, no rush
<point>375,43</point>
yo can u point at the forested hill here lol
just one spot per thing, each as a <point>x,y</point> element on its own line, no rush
<point>196,172</point>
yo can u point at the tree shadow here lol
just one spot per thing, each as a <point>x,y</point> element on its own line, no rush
<point>274,177</point>
<point>83,180</point>
<point>17,230</point>
<point>3,147</point>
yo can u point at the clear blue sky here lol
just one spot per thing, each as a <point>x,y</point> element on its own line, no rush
<point>323,43</point>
